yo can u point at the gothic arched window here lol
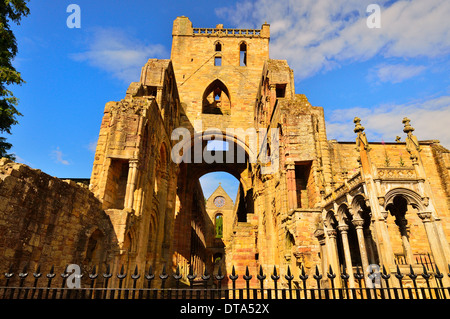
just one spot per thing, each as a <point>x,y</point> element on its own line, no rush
<point>216,99</point>
<point>219,225</point>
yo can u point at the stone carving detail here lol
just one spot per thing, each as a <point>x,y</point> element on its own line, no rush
<point>396,173</point>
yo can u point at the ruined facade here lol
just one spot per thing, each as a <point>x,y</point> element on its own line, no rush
<point>322,202</point>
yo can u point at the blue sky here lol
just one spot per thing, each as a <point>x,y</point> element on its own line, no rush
<point>381,75</point>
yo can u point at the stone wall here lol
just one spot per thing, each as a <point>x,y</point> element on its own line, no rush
<point>48,221</point>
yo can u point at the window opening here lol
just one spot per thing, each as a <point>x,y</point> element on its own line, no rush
<point>219,226</point>
<point>280,90</point>
<point>243,54</point>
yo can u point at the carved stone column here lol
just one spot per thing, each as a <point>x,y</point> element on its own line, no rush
<point>443,239</point>
<point>320,235</point>
<point>358,223</point>
<point>433,240</point>
<point>131,184</point>
<point>369,245</point>
<point>333,253</point>
<point>291,187</point>
<point>403,227</point>
<point>343,229</point>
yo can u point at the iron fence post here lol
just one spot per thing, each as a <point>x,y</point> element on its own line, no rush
<point>233,278</point>
<point>275,279</point>
<point>289,277</point>
<point>247,277</point>
<point>386,277</point>
<point>106,275</point>
<point>121,276</point>
<point>303,277</point>
<point>205,278</point>
<point>219,277</point>
<point>261,278</point>
<point>92,276</point>
<point>399,277</point>
<point>135,276</point>
<point>331,276</point>
<point>317,276</point>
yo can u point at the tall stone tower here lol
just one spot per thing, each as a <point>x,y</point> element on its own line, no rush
<point>218,71</point>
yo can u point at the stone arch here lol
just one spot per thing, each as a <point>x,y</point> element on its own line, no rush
<point>218,46</point>
<point>342,213</point>
<point>216,99</point>
<point>95,248</point>
<point>358,205</point>
<point>198,141</point>
<point>330,220</point>
<point>408,238</point>
<point>412,198</point>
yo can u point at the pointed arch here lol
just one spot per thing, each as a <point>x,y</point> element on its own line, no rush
<point>216,98</point>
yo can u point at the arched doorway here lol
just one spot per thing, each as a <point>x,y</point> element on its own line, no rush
<point>223,164</point>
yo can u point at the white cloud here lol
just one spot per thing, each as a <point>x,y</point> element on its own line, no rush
<point>394,73</point>
<point>58,155</point>
<point>429,118</point>
<point>118,53</point>
<point>319,35</point>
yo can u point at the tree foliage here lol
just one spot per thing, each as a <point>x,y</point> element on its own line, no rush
<point>10,11</point>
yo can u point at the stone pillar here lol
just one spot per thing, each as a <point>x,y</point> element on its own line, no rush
<point>443,239</point>
<point>362,249</point>
<point>385,252</point>
<point>291,188</point>
<point>343,229</point>
<point>320,235</point>
<point>433,240</point>
<point>333,254</point>
<point>402,225</point>
<point>131,184</point>
<point>369,245</point>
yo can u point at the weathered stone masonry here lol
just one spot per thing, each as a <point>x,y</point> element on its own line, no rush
<point>329,203</point>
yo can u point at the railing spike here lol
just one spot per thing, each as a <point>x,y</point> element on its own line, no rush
<point>289,271</point>
<point>135,276</point>
<point>122,274</point>
<point>150,274</point>
<point>93,275</point>
<point>163,276</point>
<point>289,277</point>
<point>411,274</point>
<point>205,275</point>
<point>219,275</point>
<point>247,275</point>
<point>108,273</point>
<point>37,273</point>
<point>317,274</point>
<point>385,274</point>
<point>233,275</point>
<point>51,274</point>
<point>261,275</point>
<point>398,274</point>
<point>303,275</point>
<point>331,274</point>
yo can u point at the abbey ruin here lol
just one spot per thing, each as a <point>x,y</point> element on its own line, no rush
<point>327,203</point>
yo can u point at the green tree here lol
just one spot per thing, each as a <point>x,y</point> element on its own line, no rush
<point>10,11</point>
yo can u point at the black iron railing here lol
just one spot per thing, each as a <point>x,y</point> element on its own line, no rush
<point>427,285</point>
